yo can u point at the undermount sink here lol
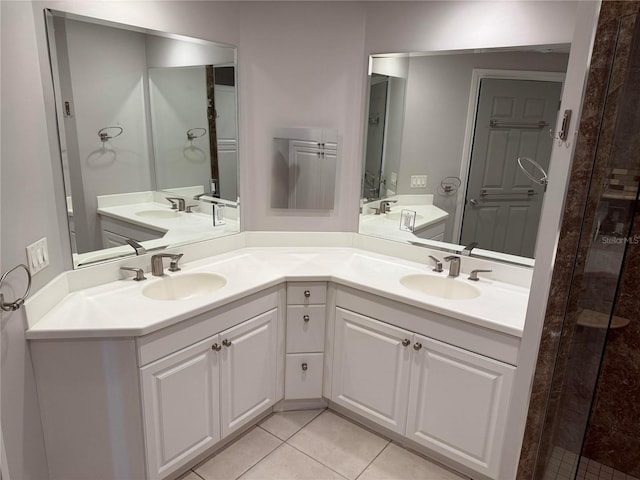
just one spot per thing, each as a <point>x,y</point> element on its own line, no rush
<point>396,216</point>
<point>442,287</point>
<point>158,214</point>
<point>181,287</point>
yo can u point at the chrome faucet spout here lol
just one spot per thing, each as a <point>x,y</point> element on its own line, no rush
<point>177,203</point>
<point>157,266</point>
<point>467,250</point>
<point>454,268</point>
<point>384,205</point>
<point>140,250</point>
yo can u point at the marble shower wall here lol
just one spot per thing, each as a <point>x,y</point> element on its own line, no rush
<point>583,279</point>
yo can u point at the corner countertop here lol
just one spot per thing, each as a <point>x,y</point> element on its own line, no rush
<point>118,308</point>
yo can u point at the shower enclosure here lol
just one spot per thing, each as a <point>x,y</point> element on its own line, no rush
<point>592,420</point>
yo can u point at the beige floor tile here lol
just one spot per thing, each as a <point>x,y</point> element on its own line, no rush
<point>287,463</point>
<point>396,463</point>
<point>285,424</point>
<point>238,457</point>
<point>338,444</point>
<point>189,476</point>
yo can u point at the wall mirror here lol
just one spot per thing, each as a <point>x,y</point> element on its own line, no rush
<point>443,135</point>
<point>148,136</point>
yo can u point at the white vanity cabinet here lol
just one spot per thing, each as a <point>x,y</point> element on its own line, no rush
<point>115,232</point>
<point>306,312</point>
<point>450,400</point>
<point>195,397</point>
<point>181,405</point>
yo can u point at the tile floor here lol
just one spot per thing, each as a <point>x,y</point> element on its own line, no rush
<point>563,465</point>
<point>315,445</point>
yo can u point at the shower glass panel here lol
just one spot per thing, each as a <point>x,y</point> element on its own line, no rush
<point>589,430</point>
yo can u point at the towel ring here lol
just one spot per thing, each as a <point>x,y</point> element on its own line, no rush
<point>191,133</point>
<point>13,306</point>
<point>104,135</point>
<point>544,180</point>
<point>450,185</point>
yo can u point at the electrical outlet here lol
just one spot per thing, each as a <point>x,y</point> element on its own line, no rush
<point>418,181</point>
<point>37,256</point>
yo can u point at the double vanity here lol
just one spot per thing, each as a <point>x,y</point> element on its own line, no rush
<point>146,378</point>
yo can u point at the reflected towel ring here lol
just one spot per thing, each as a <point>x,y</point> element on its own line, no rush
<point>104,135</point>
<point>192,135</point>
<point>450,185</point>
<point>13,306</point>
<point>544,180</point>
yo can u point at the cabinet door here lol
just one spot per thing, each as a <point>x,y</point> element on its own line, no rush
<point>458,404</point>
<point>180,406</point>
<point>248,370</point>
<point>371,369</point>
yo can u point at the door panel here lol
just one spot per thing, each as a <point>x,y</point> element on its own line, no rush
<point>496,183</point>
<point>248,370</point>
<point>371,369</point>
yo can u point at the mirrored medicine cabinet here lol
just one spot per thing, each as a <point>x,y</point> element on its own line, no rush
<point>443,135</point>
<point>147,125</point>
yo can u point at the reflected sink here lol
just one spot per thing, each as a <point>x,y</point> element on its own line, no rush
<point>442,287</point>
<point>396,216</point>
<point>158,214</point>
<point>181,287</point>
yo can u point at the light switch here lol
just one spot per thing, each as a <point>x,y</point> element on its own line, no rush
<point>37,256</point>
<point>418,181</point>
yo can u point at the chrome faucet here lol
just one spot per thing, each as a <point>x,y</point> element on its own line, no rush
<point>454,268</point>
<point>157,267</point>
<point>467,250</point>
<point>197,197</point>
<point>180,205</point>
<point>140,250</point>
<point>138,271</point>
<point>384,205</point>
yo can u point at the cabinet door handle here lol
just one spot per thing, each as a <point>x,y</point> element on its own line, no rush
<point>406,342</point>
<point>306,318</point>
<point>226,342</point>
<point>307,293</point>
<point>305,367</point>
<point>417,346</point>
<point>216,347</point>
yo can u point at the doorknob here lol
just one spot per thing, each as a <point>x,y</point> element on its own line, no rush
<point>473,202</point>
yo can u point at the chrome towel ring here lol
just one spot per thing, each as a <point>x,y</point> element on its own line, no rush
<point>13,306</point>
<point>103,133</point>
<point>544,180</point>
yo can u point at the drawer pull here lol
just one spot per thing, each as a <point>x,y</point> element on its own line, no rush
<point>306,318</point>
<point>215,347</point>
<point>305,366</point>
<point>307,293</point>
<point>417,346</point>
<point>226,342</point>
<point>406,342</point>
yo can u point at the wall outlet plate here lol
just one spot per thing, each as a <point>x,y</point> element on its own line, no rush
<point>418,181</point>
<point>37,256</point>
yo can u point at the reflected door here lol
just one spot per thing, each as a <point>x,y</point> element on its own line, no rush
<point>503,206</point>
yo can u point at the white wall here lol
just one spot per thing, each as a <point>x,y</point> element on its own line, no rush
<point>300,65</point>
<point>178,103</point>
<point>438,89</point>
<point>108,76</point>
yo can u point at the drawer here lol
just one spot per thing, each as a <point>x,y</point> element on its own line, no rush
<point>300,382</point>
<point>305,328</point>
<point>306,293</point>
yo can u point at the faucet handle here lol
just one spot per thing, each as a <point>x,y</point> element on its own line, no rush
<point>189,208</point>
<point>173,265</point>
<point>174,205</point>
<point>139,273</point>
<point>438,267</point>
<point>473,276</point>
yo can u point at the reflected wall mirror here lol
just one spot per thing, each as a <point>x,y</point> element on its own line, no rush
<point>443,134</point>
<point>147,125</point>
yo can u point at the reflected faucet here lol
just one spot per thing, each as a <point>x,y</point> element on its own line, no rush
<point>467,250</point>
<point>180,205</point>
<point>157,267</point>
<point>140,250</point>
<point>384,205</point>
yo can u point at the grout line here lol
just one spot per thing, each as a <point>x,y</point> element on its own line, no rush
<point>320,412</point>
<point>316,460</point>
<point>196,474</point>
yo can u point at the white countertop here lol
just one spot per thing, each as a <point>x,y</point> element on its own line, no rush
<point>382,225</point>
<point>118,308</point>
